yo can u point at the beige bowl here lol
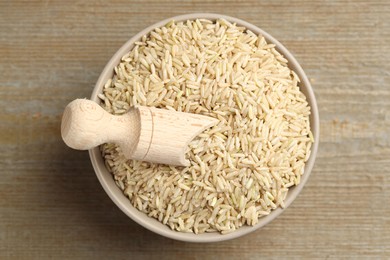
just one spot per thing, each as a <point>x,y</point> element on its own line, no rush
<point>107,181</point>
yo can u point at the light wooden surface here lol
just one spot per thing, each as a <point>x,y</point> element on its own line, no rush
<point>51,203</point>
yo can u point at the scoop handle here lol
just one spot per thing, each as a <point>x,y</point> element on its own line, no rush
<point>86,125</point>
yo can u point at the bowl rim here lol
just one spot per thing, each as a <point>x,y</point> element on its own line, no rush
<point>149,223</point>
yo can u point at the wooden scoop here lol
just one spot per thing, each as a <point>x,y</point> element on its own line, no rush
<point>144,133</point>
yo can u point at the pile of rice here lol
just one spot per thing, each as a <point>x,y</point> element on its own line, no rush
<point>241,169</point>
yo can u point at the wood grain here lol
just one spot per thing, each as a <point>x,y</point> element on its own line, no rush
<point>51,204</point>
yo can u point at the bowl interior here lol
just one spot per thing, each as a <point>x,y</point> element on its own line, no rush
<point>154,225</point>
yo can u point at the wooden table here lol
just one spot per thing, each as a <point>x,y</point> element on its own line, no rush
<point>51,203</point>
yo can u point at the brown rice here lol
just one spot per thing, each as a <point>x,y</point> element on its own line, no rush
<point>241,169</point>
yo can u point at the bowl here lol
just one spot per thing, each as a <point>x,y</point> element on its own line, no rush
<point>107,181</point>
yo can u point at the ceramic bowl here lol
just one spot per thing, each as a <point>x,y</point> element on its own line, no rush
<point>107,181</point>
